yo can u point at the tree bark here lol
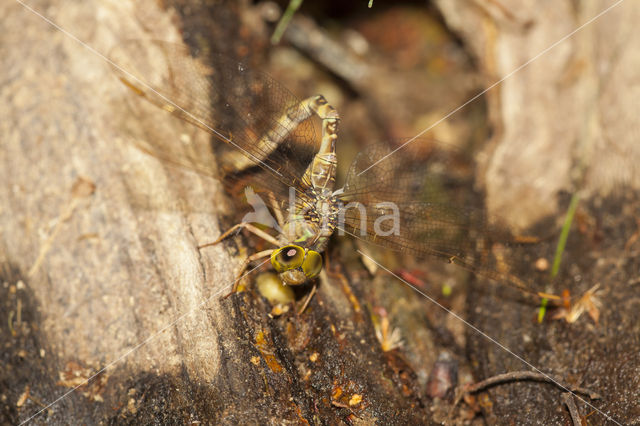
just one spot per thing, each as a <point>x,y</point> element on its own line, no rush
<point>107,286</point>
<point>562,108</point>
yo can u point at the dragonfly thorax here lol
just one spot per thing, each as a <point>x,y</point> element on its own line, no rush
<point>313,219</point>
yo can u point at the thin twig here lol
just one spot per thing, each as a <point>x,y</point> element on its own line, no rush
<point>567,398</point>
<point>519,376</point>
<point>316,42</point>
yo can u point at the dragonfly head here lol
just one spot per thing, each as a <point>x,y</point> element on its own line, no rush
<point>296,265</point>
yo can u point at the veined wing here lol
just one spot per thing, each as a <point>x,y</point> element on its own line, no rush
<point>417,208</point>
<point>238,106</point>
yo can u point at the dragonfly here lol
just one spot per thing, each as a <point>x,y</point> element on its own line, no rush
<point>269,135</point>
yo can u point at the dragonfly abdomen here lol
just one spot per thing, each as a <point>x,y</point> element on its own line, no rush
<point>321,172</point>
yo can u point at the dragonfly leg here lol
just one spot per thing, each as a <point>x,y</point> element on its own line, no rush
<point>245,265</point>
<point>249,227</point>
<point>307,299</point>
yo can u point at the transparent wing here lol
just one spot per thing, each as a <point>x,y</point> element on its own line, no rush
<point>417,207</point>
<point>238,106</point>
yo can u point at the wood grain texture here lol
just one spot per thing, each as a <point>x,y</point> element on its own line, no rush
<point>564,121</point>
<point>120,284</point>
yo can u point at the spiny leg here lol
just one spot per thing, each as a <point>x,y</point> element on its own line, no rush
<point>249,227</point>
<point>245,265</point>
<point>256,256</point>
<point>307,299</point>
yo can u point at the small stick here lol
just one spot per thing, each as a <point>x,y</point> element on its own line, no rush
<point>521,375</point>
<point>567,398</point>
<point>528,375</point>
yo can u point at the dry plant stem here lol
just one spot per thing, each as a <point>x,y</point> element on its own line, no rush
<point>81,188</point>
<point>44,249</point>
<point>567,398</point>
<point>517,376</point>
<point>306,36</point>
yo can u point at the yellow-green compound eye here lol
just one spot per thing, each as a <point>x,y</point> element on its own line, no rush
<point>312,264</point>
<point>287,257</point>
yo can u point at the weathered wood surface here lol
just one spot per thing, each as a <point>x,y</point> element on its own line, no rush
<point>569,109</point>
